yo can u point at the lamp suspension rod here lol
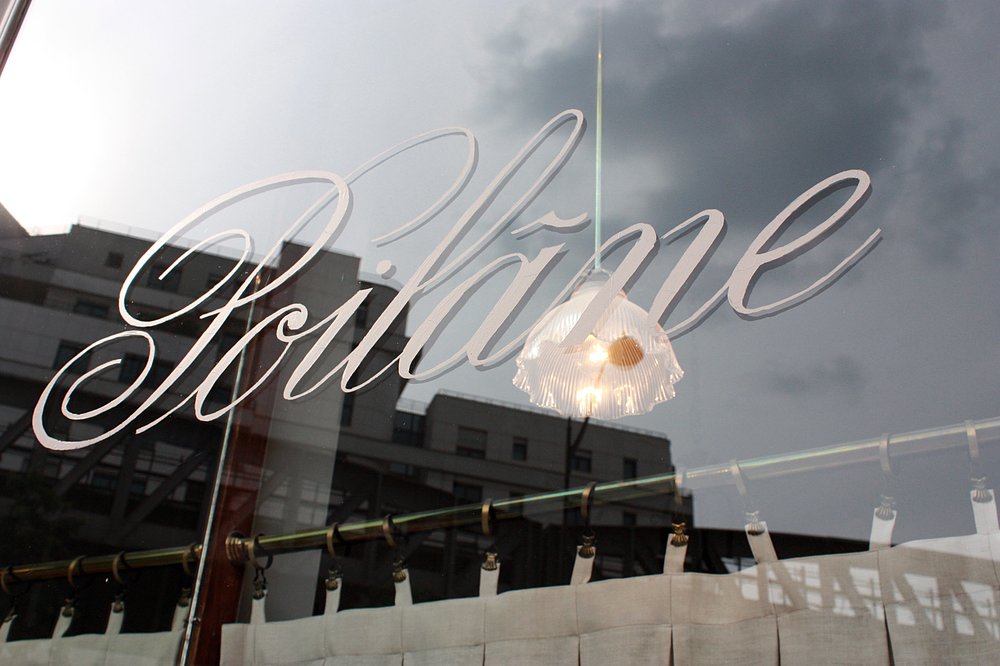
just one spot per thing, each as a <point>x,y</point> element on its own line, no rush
<point>598,139</point>
<point>865,452</point>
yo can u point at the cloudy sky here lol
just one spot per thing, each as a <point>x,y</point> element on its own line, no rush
<point>138,114</point>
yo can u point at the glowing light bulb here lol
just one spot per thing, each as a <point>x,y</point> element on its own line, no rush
<point>597,353</point>
<point>588,398</point>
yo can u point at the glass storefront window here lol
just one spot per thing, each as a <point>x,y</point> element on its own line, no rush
<point>291,297</point>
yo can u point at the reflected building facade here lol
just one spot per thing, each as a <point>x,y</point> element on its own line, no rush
<point>331,458</point>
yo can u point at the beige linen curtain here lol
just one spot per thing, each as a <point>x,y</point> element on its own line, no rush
<point>942,596</point>
<point>112,648</point>
<point>932,601</point>
<point>925,602</point>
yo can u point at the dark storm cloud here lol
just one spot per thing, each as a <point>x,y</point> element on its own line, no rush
<point>950,201</point>
<point>740,114</point>
<point>841,375</point>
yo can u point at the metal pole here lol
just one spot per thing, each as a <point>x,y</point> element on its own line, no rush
<point>865,452</point>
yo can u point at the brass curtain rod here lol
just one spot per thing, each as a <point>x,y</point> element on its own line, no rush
<point>239,548</point>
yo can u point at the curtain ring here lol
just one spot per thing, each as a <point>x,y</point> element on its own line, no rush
<point>979,491</point>
<point>737,473</point>
<point>8,576</point>
<point>387,531</point>
<point>883,456</point>
<point>76,566</point>
<point>885,510</point>
<point>486,518</point>
<point>116,565</point>
<point>333,573</point>
<point>678,483</point>
<point>491,558</point>
<point>252,555</point>
<point>9,571</point>
<point>118,606</point>
<point>332,535</point>
<point>586,500</point>
<point>970,433</point>
<point>192,555</point>
<point>14,594</point>
<point>399,565</point>
<point>755,525</point>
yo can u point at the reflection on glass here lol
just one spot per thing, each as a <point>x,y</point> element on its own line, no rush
<point>624,367</point>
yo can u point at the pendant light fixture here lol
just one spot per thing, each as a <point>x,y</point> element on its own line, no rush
<point>626,364</point>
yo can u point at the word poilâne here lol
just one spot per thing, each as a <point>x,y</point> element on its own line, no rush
<point>292,324</point>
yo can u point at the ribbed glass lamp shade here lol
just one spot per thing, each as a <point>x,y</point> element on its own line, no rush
<point>626,366</point>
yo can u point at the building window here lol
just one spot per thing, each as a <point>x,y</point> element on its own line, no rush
<point>347,410</point>
<point>65,352</point>
<point>403,469</point>
<point>114,260</point>
<point>133,364</point>
<point>408,429</point>
<point>471,442</point>
<point>737,563</point>
<point>171,281</point>
<point>580,462</point>
<point>630,468</point>
<point>91,309</point>
<point>467,493</point>
<point>519,450</point>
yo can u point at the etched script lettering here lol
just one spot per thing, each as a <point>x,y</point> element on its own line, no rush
<point>292,325</point>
